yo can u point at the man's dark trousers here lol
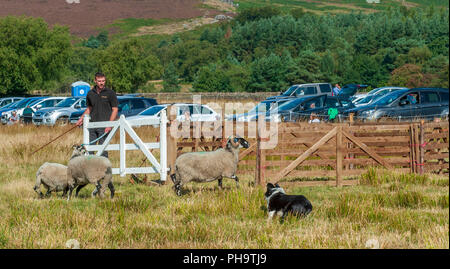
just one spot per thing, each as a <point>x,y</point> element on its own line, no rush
<point>96,133</point>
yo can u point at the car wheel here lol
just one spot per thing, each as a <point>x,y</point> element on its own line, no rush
<point>62,121</point>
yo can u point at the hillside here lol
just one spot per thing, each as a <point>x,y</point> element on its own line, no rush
<point>140,16</point>
<point>84,18</point>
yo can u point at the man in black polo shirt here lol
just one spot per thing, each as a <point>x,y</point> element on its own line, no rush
<point>102,105</point>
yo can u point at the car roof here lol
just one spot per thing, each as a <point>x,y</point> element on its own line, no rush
<point>429,89</point>
<point>306,84</point>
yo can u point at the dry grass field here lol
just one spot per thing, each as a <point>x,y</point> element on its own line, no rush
<point>397,210</point>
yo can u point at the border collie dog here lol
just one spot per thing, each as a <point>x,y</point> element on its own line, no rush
<point>282,204</point>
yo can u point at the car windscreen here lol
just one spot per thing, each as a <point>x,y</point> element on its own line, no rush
<point>389,98</point>
<point>374,91</point>
<point>32,103</point>
<point>366,99</point>
<point>20,104</point>
<point>9,105</point>
<point>290,90</point>
<point>27,103</point>
<point>67,102</point>
<point>152,110</point>
<point>291,104</point>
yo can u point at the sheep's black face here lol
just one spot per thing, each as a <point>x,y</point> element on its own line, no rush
<point>235,142</point>
<point>244,143</point>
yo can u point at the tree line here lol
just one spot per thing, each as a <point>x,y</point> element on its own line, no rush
<point>262,49</point>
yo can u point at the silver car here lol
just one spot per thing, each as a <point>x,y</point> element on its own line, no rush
<point>59,113</point>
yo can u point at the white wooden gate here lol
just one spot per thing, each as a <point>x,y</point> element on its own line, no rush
<point>125,126</point>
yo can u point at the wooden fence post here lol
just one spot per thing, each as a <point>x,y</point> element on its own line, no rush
<point>171,142</point>
<point>421,148</point>
<point>339,156</point>
<point>260,159</point>
<point>416,147</point>
<point>350,115</point>
<point>412,154</point>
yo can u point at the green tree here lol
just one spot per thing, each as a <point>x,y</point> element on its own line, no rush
<point>267,74</point>
<point>32,56</point>
<point>170,79</point>
<point>257,13</point>
<point>411,76</point>
<point>211,79</point>
<point>128,65</point>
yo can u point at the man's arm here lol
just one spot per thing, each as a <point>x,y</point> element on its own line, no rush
<point>114,112</point>
<point>87,111</point>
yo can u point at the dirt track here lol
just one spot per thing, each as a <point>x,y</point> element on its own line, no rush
<point>85,17</point>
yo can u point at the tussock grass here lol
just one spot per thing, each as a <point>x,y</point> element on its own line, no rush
<point>398,210</point>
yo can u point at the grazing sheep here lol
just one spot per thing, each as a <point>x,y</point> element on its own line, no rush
<point>83,169</point>
<point>208,166</point>
<point>53,176</point>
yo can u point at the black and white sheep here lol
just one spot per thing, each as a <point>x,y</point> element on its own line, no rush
<point>53,176</point>
<point>83,169</point>
<point>208,166</point>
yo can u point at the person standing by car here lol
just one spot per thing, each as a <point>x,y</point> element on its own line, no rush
<point>102,105</point>
<point>336,90</point>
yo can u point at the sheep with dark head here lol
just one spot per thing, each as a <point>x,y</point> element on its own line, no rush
<point>208,166</point>
<point>83,169</point>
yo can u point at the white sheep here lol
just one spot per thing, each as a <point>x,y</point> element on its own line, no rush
<point>53,176</point>
<point>208,166</point>
<point>83,169</point>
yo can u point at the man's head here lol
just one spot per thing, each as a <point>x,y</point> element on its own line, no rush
<point>312,105</point>
<point>337,85</point>
<point>100,80</point>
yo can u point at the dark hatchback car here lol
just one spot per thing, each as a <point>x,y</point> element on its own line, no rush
<point>128,106</point>
<point>406,105</point>
<point>301,109</point>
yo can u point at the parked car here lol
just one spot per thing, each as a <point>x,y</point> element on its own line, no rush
<point>259,109</point>
<point>300,90</point>
<point>357,99</point>
<point>8,100</point>
<point>128,106</point>
<point>301,108</point>
<point>59,113</point>
<point>349,90</point>
<point>406,105</point>
<point>19,105</point>
<point>196,112</point>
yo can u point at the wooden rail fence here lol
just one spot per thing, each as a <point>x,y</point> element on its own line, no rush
<point>328,154</point>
